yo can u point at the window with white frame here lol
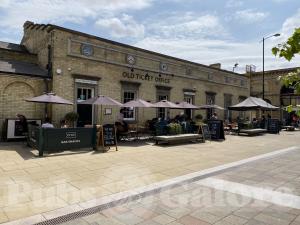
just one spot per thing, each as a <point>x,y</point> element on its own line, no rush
<point>84,93</point>
<point>129,113</point>
<point>162,112</point>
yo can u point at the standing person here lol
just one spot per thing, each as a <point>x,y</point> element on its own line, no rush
<point>263,122</point>
<point>120,124</point>
<point>47,123</point>
<point>214,116</point>
<point>23,124</point>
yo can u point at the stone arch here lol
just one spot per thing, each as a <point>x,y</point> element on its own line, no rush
<point>13,100</point>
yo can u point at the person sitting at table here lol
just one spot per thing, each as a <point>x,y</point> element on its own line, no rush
<point>214,116</point>
<point>47,123</point>
<point>121,125</point>
<point>254,122</point>
<point>23,124</point>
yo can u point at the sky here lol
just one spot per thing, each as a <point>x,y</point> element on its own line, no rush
<point>203,31</point>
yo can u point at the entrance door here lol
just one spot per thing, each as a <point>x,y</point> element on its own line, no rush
<point>189,99</point>
<point>85,111</point>
<point>162,112</point>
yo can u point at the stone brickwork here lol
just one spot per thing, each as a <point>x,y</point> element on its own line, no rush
<point>272,85</point>
<point>108,64</point>
<point>14,89</point>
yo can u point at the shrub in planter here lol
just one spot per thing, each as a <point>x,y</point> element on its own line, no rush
<point>71,118</point>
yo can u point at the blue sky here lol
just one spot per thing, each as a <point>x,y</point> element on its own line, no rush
<point>204,31</point>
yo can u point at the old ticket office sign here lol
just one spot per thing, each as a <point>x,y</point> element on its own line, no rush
<point>146,77</point>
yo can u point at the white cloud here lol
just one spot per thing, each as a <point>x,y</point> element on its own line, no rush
<point>250,16</point>
<point>13,13</point>
<point>234,3</point>
<point>290,24</point>
<point>208,51</point>
<point>187,25</point>
<point>125,26</point>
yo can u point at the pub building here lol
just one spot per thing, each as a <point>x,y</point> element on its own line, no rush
<point>78,66</point>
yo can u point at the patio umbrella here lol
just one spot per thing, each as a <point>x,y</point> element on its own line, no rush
<point>252,103</point>
<point>49,98</point>
<point>138,103</point>
<point>101,100</point>
<point>210,107</point>
<point>166,104</point>
<point>185,105</point>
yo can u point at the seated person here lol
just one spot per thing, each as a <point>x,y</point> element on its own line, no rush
<point>120,124</point>
<point>47,123</point>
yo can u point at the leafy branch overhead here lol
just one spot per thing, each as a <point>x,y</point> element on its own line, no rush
<point>289,50</point>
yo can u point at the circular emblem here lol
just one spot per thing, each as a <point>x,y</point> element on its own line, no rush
<point>130,59</point>
<point>163,66</point>
<point>87,50</point>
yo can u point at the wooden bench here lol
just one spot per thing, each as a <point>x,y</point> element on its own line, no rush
<point>177,138</point>
<point>289,128</point>
<point>252,132</point>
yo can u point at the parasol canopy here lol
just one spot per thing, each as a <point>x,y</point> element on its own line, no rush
<point>49,98</point>
<point>101,100</point>
<point>138,103</point>
<point>253,103</point>
<point>210,107</point>
<point>185,105</point>
<point>166,104</point>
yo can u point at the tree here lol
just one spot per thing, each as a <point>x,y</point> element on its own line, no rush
<point>289,50</point>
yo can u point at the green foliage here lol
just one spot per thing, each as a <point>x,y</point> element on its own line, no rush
<point>291,80</point>
<point>198,117</point>
<point>174,128</point>
<point>71,117</point>
<point>290,48</point>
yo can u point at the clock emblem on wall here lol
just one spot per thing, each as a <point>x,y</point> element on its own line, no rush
<point>163,66</point>
<point>130,59</point>
<point>87,50</point>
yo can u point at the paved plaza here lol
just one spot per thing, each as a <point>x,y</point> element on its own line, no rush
<point>36,186</point>
<point>238,200</point>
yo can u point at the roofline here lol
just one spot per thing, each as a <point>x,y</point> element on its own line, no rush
<point>26,74</point>
<point>277,70</point>
<point>53,27</point>
<point>22,52</point>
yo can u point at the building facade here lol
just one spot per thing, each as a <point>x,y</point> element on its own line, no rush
<point>77,66</point>
<point>275,92</point>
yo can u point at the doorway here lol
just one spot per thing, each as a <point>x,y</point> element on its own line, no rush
<point>85,112</point>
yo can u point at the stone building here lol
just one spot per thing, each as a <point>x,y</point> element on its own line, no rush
<point>275,92</point>
<point>77,66</point>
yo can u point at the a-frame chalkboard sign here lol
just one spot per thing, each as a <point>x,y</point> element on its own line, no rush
<point>109,137</point>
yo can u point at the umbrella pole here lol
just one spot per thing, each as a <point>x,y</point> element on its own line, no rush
<point>101,116</point>
<point>92,114</point>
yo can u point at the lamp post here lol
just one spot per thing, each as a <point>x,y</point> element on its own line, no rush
<point>263,41</point>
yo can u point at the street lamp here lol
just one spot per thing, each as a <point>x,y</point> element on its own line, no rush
<point>263,40</point>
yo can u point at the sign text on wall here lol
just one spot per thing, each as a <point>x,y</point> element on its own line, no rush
<point>145,77</point>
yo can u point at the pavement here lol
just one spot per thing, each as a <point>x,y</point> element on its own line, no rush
<point>36,186</point>
<point>264,192</point>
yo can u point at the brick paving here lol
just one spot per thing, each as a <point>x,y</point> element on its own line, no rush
<point>195,204</point>
<point>31,186</point>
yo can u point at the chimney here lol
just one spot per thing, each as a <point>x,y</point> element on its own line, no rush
<point>216,65</point>
<point>27,24</point>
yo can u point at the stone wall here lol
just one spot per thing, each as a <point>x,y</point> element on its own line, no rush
<point>109,64</point>
<point>14,90</point>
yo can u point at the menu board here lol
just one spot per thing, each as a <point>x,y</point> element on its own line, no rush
<point>205,132</point>
<point>216,129</point>
<point>273,126</point>
<point>109,135</point>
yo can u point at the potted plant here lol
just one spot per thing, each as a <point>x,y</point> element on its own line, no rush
<point>199,119</point>
<point>71,118</point>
